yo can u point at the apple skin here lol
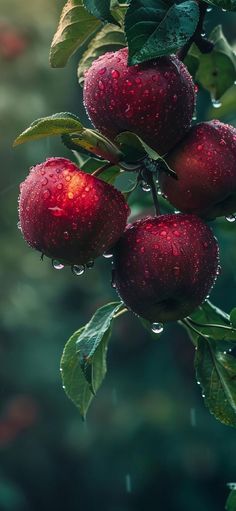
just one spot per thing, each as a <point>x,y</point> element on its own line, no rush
<point>165,267</point>
<point>205,163</point>
<point>69,215</point>
<point>155,100</point>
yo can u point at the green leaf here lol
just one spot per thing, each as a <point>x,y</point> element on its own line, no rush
<point>158,27</point>
<point>231,501</point>
<point>110,38</point>
<point>227,5</point>
<point>208,314</point>
<point>217,70</point>
<point>83,362</point>
<point>92,343</point>
<point>233,317</point>
<point>109,175</point>
<point>135,150</point>
<point>74,382</point>
<point>216,372</point>
<point>94,143</point>
<point>100,9</point>
<point>76,25</point>
<point>118,11</point>
<point>56,124</point>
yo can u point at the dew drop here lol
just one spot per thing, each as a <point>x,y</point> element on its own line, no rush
<point>57,265</point>
<point>46,194</point>
<point>78,269</point>
<point>157,328</point>
<point>66,235</point>
<point>230,218</point>
<point>102,71</point>
<point>216,103</point>
<point>108,255</point>
<point>101,85</point>
<point>44,181</point>
<point>209,9</point>
<point>70,195</point>
<point>115,74</point>
<point>145,186</point>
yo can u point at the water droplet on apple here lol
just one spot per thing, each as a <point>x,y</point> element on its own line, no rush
<point>115,74</point>
<point>57,265</point>
<point>78,269</point>
<point>157,328</point>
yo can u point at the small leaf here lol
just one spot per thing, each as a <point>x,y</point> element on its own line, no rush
<point>109,175</point>
<point>56,124</point>
<point>135,150</point>
<point>231,501</point>
<point>158,27</point>
<point>100,9</point>
<point>92,344</point>
<point>217,70</point>
<point>74,382</point>
<point>75,26</point>
<point>216,372</point>
<point>227,5</point>
<point>208,314</point>
<point>233,317</point>
<point>110,38</point>
<point>95,143</point>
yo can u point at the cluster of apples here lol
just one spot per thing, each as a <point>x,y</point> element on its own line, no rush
<point>163,266</point>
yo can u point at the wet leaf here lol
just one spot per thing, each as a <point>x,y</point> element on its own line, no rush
<point>92,343</point>
<point>216,372</point>
<point>217,70</point>
<point>56,124</point>
<point>94,142</point>
<point>74,382</point>
<point>75,26</point>
<point>227,5</point>
<point>221,328</point>
<point>158,27</point>
<point>233,317</point>
<point>110,38</point>
<point>101,9</point>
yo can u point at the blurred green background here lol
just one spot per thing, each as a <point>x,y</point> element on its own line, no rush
<point>149,442</point>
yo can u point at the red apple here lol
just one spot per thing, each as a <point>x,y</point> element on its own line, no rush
<point>205,163</point>
<point>164,267</point>
<point>155,100</point>
<point>69,215</point>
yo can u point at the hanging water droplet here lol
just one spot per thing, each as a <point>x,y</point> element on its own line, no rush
<point>108,255</point>
<point>57,265</point>
<point>216,103</point>
<point>145,186</point>
<point>230,218</point>
<point>157,328</point>
<point>90,264</point>
<point>78,269</point>
<point>209,9</point>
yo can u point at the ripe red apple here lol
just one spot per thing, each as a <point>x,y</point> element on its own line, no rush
<point>69,215</point>
<point>155,100</point>
<point>205,163</point>
<point>165,266</point>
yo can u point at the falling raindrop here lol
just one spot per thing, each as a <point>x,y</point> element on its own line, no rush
<point>193,417</point>
<point>145,186</point>
<point>157,328</point>
<point>128,484</point>
<point>230,218</point>
<point>78,269</point>
<point>57,265</point>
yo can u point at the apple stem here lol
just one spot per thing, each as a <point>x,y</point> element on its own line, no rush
<point>98,171</point>
<point>203,44</point>
<point>151,181</point>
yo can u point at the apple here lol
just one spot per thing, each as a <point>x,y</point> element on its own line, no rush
<point>154,100</point>
<point>165,266</point>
